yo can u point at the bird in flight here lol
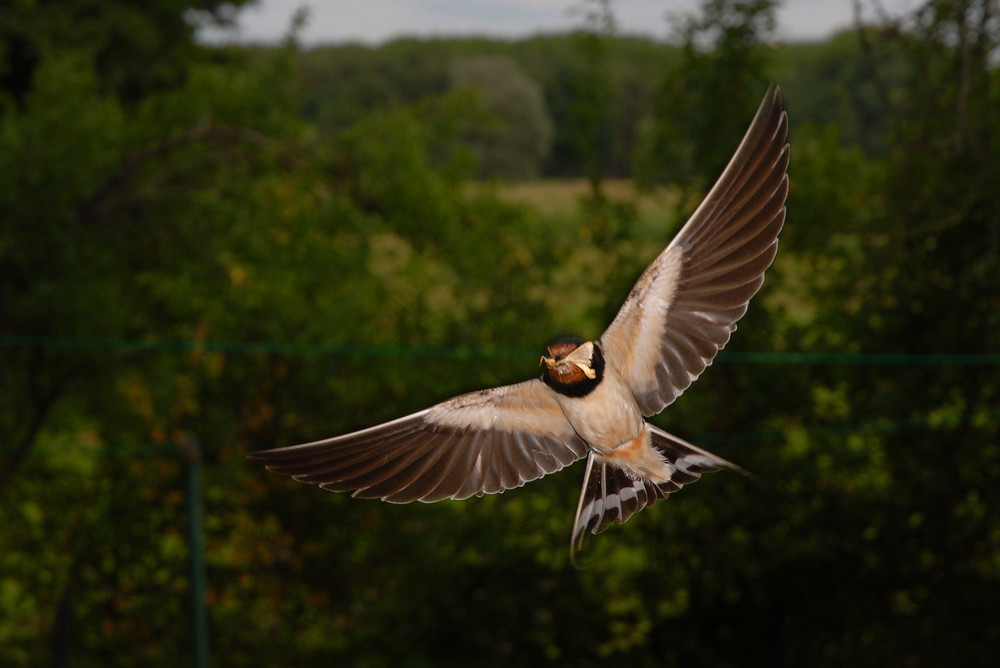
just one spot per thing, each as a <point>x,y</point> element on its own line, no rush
<point>593,397</point>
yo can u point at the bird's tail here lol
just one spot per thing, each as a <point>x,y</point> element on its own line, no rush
<point>611,495</point>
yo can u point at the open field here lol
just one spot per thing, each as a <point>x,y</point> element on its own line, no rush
<point>553,196</point>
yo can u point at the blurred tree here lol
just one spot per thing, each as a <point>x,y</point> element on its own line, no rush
<point>942,238</point>
<point>589,97</point>
<point>343,83</point>
<point>704,102</point>
<point>54,156</point>
<point>134,239</point>
<point>516,148</point>
<point>115,228</point>
<point>831,84</point>
<point>136,49</point>
<point>909,266</point>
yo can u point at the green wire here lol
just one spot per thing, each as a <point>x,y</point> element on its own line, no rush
<point>443,352</point>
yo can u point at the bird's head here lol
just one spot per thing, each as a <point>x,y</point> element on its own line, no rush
<point>572,365</point>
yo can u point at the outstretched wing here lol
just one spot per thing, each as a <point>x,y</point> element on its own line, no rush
<point>684,307</point>
<point>610,495</point>
<point>479,443</point>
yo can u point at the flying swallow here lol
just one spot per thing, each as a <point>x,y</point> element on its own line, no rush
<point>593,397</point>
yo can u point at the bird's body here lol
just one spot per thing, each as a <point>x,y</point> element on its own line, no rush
<point>609,420</point>
<point>593,397</point>
<point>606,415</point>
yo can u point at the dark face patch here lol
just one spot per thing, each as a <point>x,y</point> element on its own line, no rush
<point>575,383</point>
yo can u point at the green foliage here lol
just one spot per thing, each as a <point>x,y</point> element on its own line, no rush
<point>591,95</point>
<point>136,49</point>
<point>703,104</point>
<point>53,158</point>
<point>344,83</point>
<point>253,256</point>
<point>848,81</point>
<point>516,148</point>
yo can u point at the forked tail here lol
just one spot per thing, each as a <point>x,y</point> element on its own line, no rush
<point>611,495</point>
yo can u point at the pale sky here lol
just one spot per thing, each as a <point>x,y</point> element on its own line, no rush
<point>376,21</point>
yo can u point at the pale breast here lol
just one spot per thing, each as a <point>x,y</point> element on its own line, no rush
<point>606,417</point>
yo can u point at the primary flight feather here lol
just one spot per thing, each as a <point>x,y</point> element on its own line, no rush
<point>593,396</point>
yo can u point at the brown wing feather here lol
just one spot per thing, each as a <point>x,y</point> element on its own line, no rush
<point>479,443</point>
<point>684,307</point>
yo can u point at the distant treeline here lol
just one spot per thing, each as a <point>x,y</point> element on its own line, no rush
<point>532,89</point>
